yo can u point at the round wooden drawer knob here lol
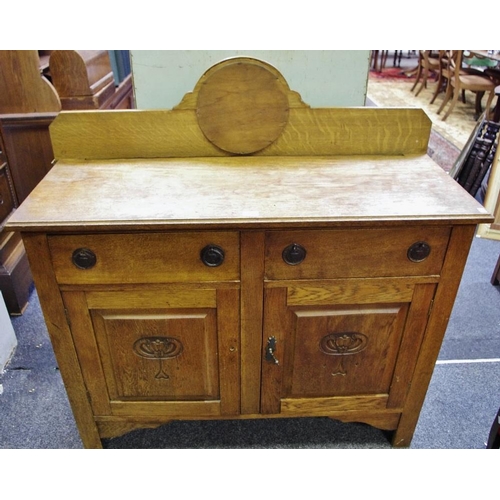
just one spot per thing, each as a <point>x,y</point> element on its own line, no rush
<point>294,254</point>
<point>83,258</point>
<point>212,255</point>
<point>419,251</point>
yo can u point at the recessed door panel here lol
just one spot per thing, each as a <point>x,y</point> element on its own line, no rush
<point>340,351</point>
<point>167,355</point>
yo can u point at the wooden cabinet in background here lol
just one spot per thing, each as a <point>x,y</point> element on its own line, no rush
<point>28,105</point>
<point>28,149</point>
<point>84,79</point>
<point>15,276</point>
<point>6,195</point>
<point>246,256</point>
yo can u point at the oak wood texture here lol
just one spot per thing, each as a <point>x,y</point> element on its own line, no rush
<point>28,104</point>
<point>28,149</point>
<point>351,333</point>
<point>176,134</point>
<point>24,89</point>
<point>132,357</point>
<point>439,316</point>
<point>61,337</point>
<point>15,274</point>
<point>6,197</point>
<point>123,96</point>
<point>391,322</point>
<point>145,257</point>
<point>80,72</point>
<point>114,426</point>
<point>229,348</point>
<point>242,108</point>
<point>355,253</point>
<point>83,79</point>
<point>344,291</point>
<point>80,79</point>
<point>325,371</point>
<point>110,427</point>
<point>252,295</point>
<point>121,366</point>
<point>242,192</point>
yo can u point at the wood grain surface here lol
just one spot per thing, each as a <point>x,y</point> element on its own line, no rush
<point>176,133</point>
<point>244,192</point>
<point>242,108</point>
<point>352,332</point>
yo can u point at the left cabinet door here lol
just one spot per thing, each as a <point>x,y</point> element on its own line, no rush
<point>171,351</point>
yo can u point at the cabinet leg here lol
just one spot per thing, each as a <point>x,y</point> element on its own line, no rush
<point>92,441</point>
<point>400,441</point>
<point>402,436</point>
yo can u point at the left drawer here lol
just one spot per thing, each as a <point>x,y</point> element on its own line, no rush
<point>145,257</point>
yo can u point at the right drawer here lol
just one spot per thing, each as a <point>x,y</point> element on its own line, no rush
<point>355,253</point>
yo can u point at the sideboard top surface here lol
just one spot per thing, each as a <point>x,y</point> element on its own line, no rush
<point>258,192</point>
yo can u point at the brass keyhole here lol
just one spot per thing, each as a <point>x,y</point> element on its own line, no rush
<point>270,349</point>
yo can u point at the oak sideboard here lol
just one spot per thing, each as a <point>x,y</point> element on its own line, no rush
<point>246,256</point>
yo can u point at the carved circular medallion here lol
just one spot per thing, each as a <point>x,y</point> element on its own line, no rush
<point>242,107</point>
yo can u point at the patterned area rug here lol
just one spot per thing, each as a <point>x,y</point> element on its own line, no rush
<point>394,73</point>
<point>396,92</point>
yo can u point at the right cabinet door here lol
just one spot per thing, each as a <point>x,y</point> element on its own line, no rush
<point>341,345</point>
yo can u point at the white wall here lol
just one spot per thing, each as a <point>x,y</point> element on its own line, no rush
<point>8,340</point>
<point>324,78</point>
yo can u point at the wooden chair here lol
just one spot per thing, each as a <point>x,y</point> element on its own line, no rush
<point>378,59</point>
<point>459,81</point>
<point>426,64</point>
<point>443,73</point>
